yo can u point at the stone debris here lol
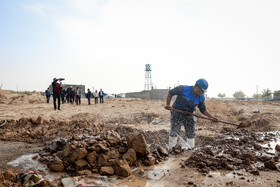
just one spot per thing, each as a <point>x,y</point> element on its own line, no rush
<point>107,153</point>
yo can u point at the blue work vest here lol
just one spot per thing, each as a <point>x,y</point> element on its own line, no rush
<point>187,100</point>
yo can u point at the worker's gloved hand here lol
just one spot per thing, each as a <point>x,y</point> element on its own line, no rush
<point>214,119</point>
<point>168,107</point>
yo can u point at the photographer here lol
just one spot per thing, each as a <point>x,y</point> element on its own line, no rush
<point>56,92</point>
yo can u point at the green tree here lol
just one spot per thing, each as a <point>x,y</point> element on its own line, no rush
<point>221,95</point>
<point>266,93</point>
<point>239,94</point>
<point>276,93</point>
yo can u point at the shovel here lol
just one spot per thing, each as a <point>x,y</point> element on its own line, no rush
<point>221,121</point>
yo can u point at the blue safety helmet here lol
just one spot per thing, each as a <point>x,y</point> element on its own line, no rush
<point>202,83</point>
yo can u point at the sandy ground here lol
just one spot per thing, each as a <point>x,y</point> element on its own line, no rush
<point>151,117</point>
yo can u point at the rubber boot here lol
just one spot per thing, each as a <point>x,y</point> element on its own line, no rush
<point>183,143</point>
<point>191,142</point>
<point>172,142</point>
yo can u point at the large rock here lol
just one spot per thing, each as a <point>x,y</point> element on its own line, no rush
<point>150,160</point>
<point>84,172</point>
<point>112,154</point>
<point>122,149</point>
<point>140,145</point>
<point>102,147</point>
<point>113,138</point>
<point>270,164</point>
<point>102,159</point>
<point>121,168</point>
<point>68,150</point>
<point>57,165</point>
<point>162,151</point>
<point>130,156</point>
<point>91,157</point>
<point>81,164</point>
<point>106,171</point>
<point>78,154</point>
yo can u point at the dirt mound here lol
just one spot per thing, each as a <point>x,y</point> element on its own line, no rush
<point>136,118</point>
<point>36,97</point>
<point>236,150</point>
<point>7,97</point>
<point>261,122</point>
<point>107,153</point>
<point>40,130</point>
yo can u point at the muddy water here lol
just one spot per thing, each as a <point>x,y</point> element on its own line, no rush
<point>151,176</point>
<point>271,144</point>
<point>27,163</point>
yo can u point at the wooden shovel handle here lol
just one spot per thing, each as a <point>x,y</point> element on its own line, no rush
<point>189,113</point>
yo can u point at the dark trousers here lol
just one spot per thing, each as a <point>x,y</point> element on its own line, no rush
<point>71,99</point>
<point>96,100</point>
<point>78,100</point>
<point>101,99</point>
<point>62,98</point>
<point>89,100</point>
<point>48,99</point>
<point>177,120</point>
<point>67,98</point>
<point>56,96</point>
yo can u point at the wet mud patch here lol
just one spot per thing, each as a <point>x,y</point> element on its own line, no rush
<point>236,150</point>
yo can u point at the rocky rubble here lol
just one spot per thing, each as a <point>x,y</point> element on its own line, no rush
<point>235,150</point>
<point>108,153</point>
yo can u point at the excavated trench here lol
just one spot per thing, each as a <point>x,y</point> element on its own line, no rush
<point>84,147</point>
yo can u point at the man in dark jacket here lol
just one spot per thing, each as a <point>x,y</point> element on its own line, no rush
<point>88,96</point>
<point>48,95</point>
<point>56,93</point>
<point>68,94</point>
<point>101,94</point>
<point>63,92</point>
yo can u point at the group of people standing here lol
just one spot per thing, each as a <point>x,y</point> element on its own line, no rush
<point>95,95</point>
<point>72,95</point>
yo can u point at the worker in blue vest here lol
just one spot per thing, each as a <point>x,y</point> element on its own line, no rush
<point>188,97</point>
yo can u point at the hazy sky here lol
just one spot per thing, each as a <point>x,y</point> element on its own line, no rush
<point>235,45</point>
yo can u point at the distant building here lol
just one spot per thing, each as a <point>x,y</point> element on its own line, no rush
<point>154,94</point>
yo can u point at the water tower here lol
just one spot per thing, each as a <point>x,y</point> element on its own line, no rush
<point>148,77</point>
